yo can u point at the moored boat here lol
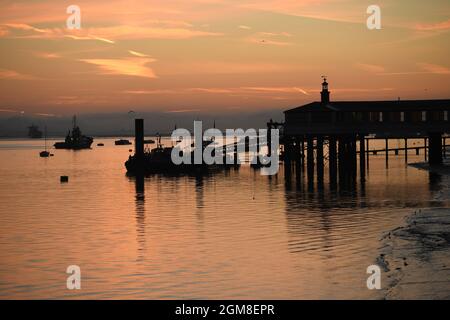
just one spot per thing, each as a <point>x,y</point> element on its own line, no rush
<point>75,140</point>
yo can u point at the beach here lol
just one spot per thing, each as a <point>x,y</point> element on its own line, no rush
<point>416,256</point>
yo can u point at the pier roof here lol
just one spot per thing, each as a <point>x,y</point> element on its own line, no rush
<point>394,105</point>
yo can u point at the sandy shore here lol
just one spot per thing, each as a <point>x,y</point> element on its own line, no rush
<point>416,256</point>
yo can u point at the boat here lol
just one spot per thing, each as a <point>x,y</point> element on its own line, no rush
<point>159,160</point>
<point>75,140</point>
<point>100,144</point>
<point>34,132</point>
<point>122,142</point>
<point>149,141</point>
<point>45,153</point>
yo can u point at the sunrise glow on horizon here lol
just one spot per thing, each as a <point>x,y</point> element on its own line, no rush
<point>217,55</point>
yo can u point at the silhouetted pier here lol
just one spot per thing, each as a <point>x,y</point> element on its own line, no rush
<point>347,128</point>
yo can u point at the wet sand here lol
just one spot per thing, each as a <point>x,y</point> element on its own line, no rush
<point>416,256</point>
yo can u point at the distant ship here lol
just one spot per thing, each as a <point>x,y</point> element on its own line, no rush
<point>122,142</point>
<point>75,140</point>
<point>34,132</point>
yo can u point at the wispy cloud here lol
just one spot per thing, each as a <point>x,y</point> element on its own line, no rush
<point>137,54</point>
<point>270,38</point>
<point>244,27</point>
<point>440,26</point>
<point>370,67</point>
<point>128,66</point>
<point>151,92</point>
<point>105,34</point>
<point>183,111</point>
<point>14,75</point>
<point>47,55</point>
<point>434,68</point>
<point>424,68</point>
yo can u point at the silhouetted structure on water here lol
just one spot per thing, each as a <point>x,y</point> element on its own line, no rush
<point>75,140</point>
<point>343,125</point>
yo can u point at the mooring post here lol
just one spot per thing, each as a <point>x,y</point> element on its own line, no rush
<point>139,137</point>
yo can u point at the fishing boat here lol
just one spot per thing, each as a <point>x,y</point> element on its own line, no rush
<point>75,140</point>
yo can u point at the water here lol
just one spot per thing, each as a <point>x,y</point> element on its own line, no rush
<point>235,234</point>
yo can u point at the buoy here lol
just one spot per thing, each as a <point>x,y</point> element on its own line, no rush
<point>64,179</point>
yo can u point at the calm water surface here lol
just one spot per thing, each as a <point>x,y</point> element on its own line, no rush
<point>235,234</point>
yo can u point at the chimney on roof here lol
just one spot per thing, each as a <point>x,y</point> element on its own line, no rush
<point>325,94</point>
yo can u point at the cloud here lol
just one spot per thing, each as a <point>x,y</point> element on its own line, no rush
<point>270,38</point>
<point>47,55</point>
<point>370,67</point>
<point>137,54</point>
<point>434,68</point>
<point>211,90</point>
<point>14,75</point>
<point>269,42</point>
<point>150,92</point>
<point>425,68</point>
<point>105,34</point>
<point>128,66</point>
<point>183,111</point>
<point>244,27</point>
<point>441,26</point>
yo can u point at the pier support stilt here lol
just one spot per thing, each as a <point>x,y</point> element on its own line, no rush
<point>320,159</point>
<point>362,158</point>
<point>332,159</point>
<point>406,150</point>
<point>425,149</point>
<point>387,152</point>
<point>435,149</point>
<point>310,158</point>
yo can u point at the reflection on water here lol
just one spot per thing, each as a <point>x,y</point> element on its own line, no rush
<point>235,234</point>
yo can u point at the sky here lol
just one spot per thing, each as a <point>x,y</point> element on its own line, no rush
<point>217,56</point>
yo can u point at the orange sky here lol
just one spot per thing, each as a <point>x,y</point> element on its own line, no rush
<point>217,55</point>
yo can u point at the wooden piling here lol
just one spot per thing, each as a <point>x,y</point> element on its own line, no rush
<point>362,158</point>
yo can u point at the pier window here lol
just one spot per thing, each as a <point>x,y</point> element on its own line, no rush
<point>380,117</point>
<point>415,116</point>
<point>402,116</point>
<point>394,116</point>
<point>424,116</point>
<point>446,115</point>
<point>374,116</point>
<point>437,116</point>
